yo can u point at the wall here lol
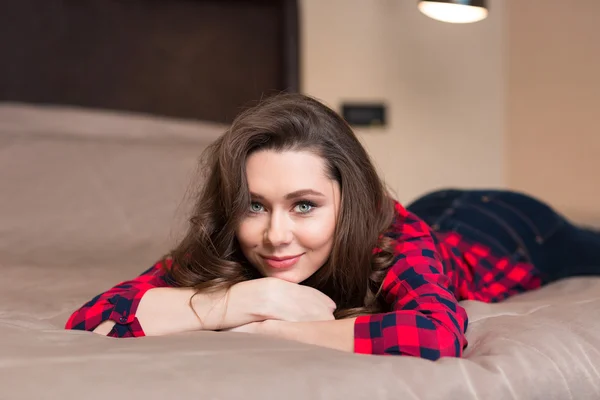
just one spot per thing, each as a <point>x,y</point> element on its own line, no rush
<point>444,86</point>
<point>553,104</point>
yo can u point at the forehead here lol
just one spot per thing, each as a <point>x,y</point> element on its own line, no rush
<point>271,172</point>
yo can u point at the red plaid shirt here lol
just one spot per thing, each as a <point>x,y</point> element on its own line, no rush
<point>431,273</point>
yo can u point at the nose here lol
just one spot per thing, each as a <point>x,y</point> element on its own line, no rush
<point>279,231</point>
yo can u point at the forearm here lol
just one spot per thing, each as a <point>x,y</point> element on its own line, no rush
<point>337,334</point>
<point>163,311</point>
<point>227,308</point>
<point>167,310</point>
<point>170,310</point>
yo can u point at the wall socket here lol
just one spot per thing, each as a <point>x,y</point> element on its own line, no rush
<point>364,114</point>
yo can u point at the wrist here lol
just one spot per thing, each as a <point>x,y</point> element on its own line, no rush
<point>250,299</point>
<point>195,306</point>
<point>278,328</point>
<point>224,309</point>
<point>210,308</point>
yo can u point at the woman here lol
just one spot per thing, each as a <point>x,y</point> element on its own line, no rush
<point>294,235</point>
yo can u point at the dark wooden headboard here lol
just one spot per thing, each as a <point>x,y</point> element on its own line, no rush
<point>200,59</point>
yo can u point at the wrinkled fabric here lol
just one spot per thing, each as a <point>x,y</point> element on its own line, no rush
<point>80,213</point>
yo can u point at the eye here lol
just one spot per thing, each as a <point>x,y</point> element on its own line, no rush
<point>304,207</point>
<point>256,207</point>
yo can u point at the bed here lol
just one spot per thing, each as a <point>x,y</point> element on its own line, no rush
<point>95,168</point>
<point>92,198</point>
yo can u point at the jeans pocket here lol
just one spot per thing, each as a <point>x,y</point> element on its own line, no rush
<point>541,219</point>
<point>431,206</point>
<point>477,218</point>
<point>436,198</point>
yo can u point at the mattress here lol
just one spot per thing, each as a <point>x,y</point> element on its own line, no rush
<point>91,198</point>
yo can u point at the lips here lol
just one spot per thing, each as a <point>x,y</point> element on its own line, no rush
<point>282,262</point>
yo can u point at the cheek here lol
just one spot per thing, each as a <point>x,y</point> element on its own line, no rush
<point>318,232</point>
<point>249,232</point>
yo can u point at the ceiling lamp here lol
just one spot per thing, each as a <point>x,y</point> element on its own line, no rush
<point>454,11</point>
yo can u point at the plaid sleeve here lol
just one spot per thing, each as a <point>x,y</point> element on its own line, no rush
<point>119,304</point>
<point>426,320</point>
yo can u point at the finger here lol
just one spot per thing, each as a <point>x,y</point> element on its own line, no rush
<point>326,299</point>
<point>328,302</point>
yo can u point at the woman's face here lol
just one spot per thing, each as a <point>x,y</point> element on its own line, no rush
<point>288,230</point>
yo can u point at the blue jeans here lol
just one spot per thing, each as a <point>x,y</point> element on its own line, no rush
<point>515,225</point>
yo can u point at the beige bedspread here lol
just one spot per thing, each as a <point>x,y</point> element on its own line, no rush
<point>83,208</point>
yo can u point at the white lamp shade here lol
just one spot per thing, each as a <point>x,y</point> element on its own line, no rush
<point>453,12</point>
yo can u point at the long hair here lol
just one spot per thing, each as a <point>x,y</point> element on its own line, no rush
<point>209,258</point>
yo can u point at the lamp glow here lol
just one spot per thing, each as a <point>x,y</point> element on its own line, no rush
<point>458,12</point>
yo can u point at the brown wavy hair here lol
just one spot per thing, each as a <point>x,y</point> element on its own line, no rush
<point>209,257</point>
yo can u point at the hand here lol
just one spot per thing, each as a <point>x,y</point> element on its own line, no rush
<point>252,327</point>
<point>269,327</point>
<point>272,298</point>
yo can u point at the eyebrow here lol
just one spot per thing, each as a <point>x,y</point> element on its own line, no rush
<point>293,195</point>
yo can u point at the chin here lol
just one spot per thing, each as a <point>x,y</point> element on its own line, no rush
<point>289,276</point>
